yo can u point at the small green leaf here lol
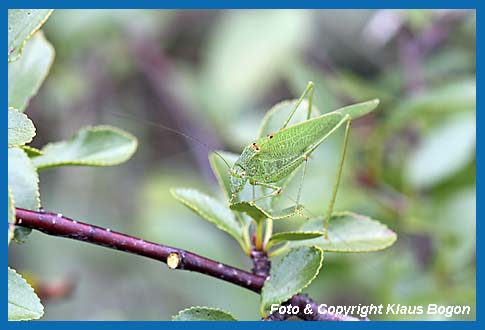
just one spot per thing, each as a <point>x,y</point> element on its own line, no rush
<point>221,171</point>
<point>23,303</point>
<point>291,275</point>
<point>359,109</point>
<point>349,232</point>
<point>22,24</point>
<point>26,75</point>
<point>21,130</point>
<point>211,210</point>
<point>203,314</point>
<point>293,236</point>
<point>23,179</point>
<point>11,215</point>
<point>91,146</point>
<point>258,213</point>
<point>276,116</point>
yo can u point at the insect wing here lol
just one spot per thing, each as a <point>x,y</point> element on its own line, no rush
<point>293,141</point>
<point>359,109</point>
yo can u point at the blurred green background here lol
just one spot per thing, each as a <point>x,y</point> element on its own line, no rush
<point>213,74</point>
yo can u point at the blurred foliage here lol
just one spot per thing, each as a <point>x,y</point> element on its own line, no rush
<point>29,61</point>
<point>213,75</point>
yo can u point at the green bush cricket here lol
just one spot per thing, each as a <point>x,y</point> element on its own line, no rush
<point>274,157</point>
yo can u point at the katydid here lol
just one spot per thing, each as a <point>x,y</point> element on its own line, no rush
<point>274,157</point>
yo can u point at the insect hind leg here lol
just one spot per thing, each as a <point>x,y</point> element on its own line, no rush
<point>301,182</point>
<point>339,174</point>
<point>308,90</point>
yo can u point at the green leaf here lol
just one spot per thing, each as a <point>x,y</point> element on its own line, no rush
<point>221,171</point>
<point>276,116</point>
<point>26,75</point>
<point>258,213</point>
<point>203,314</point>
<point>291,275</point>
<point>21,130</point>
<point>211,210</point>
<point>293,236</point>
<point>11,215</point>
<point>349,232</point>
<point>23,303</point>
<point>23,180</point>
<point>443,151</point>
<point>91,146</point>
<point>22,24</point>
<point>359,109</point>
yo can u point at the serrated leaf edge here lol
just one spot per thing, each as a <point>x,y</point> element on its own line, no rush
<point>33,291</point>
<point>356,215</point>
<point>37,181</point>
<point>22,46</point>
<point>29,120</point>
<point>46,73</point>
<point>263,308</point>
<point>204,215</point>
<point>93,163</point>
<point>204,307</point>
<point>219,178</point>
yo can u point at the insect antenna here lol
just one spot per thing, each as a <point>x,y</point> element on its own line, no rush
<point>172,130</point>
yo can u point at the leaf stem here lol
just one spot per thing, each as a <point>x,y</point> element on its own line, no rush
<point>258,242</point>
<point>267,233</point>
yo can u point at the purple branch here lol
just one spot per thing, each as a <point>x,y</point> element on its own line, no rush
<point>58,225</point>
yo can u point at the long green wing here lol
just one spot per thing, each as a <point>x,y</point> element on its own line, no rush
<point>293,141</point>
<point>359,109</point>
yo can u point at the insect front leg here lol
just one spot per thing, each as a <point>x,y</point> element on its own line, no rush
<point>276,190</point>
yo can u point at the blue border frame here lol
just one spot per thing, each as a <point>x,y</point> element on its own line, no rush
<point>238,4</point>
